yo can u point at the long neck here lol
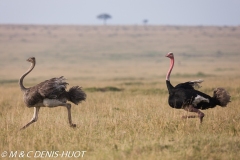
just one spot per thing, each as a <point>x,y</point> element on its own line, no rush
<point>170,69</point>
<point>22,77</point>
<point>169,85</point>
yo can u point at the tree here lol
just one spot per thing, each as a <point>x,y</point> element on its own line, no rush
<point>145,21</point>
<point>104,17</point>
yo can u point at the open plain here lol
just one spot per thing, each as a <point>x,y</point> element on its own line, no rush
<point>122,70</point>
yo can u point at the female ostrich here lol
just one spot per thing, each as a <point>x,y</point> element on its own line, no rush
<point>50,93</point>
<point>184,96</point>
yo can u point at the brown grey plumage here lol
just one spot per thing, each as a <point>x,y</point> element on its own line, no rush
<point>50,93</point>
<point>222,95</point>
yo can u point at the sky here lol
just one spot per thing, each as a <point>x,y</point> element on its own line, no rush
<point>123,12</point>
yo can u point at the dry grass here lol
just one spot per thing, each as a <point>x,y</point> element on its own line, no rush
<point>134,122</point>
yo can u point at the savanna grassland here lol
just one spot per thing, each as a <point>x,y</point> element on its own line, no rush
<point>122,69</point>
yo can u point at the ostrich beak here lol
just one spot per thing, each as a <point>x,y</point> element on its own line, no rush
<point>169,55</point>
<point>31,59</point>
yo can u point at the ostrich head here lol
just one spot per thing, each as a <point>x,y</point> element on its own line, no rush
<point>33,62</point>
<point>170,55</point>
<point>31,59</point>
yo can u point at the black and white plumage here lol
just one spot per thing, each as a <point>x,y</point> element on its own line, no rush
<point>184,96</point>
<point>50,93</point>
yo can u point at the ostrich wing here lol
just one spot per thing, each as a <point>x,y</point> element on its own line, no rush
<point>190,84</point>
<point>32,97</point>
<point>52,88</point>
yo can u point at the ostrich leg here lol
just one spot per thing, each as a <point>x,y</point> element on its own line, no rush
<point>190,108</point>
<point>34,119</point>
<point>68,105</point>
<point>55,103</point>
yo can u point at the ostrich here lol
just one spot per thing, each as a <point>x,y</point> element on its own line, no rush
<point>184,96</point>
<point>50,93</point>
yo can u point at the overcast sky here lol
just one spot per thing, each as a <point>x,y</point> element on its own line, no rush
<point>123,12</point>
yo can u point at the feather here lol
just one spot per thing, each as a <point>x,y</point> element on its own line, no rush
<point>190,84</point>
<point>185,96</point>
<point>76,94</point>
<point>50,93</point>
<point>222,96</point>
<point>52,88</point>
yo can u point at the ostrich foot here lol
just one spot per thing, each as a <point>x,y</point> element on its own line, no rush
<point>73,125</point>
<point>192,116</point>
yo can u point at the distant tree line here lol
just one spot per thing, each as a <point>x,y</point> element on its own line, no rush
<point>105,17</point>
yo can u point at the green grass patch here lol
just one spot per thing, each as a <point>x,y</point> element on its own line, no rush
<point>149,91</point>
<point>103,89</point>
<point>132,83</point>
<point>198,74</point>
<point>8,81</point>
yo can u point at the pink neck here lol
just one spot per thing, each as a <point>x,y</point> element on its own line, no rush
<point>170,69</point>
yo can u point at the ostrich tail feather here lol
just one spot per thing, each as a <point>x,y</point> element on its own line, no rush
<point>222,96</point>
<point>76,95</point>
<point>196,83</point>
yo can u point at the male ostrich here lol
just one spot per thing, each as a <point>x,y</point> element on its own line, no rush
<point>184,96</point>
<point>50,93</point>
